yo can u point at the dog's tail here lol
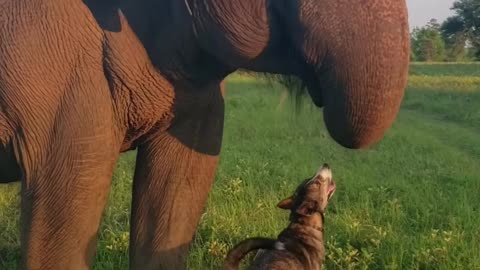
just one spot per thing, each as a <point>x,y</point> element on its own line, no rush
<point>236,255</point>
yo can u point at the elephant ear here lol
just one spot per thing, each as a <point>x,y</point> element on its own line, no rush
<point>286,204</point>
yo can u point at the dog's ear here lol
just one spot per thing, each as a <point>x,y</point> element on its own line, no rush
<point>307,208</point>
<point>286,204</point>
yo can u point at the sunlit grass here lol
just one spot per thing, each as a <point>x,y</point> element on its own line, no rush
<point>445,83</point>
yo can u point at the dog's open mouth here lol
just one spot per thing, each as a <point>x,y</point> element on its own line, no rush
<point>331,189</point>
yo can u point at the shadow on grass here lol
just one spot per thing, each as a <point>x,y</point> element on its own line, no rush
<point>9,256</point>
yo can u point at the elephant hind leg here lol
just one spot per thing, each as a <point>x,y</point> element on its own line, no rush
<point>62,204</point>
<point>66,175</point>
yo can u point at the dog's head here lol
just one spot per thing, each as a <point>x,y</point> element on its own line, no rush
<point>312,196</point>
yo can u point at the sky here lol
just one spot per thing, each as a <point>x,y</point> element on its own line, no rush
<point>421,11</point>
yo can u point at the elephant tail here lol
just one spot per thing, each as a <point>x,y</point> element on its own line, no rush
<point>235,255</point>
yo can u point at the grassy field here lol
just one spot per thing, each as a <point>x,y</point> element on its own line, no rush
<point>410,202</point>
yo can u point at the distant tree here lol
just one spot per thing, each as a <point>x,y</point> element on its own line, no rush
<point>427,43</point>
<point>455,40</point>
<point>463,27</point>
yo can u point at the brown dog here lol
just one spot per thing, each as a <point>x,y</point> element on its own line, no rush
<point>300,245</point>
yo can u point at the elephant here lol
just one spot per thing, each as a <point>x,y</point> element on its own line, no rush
<point>82,81</point>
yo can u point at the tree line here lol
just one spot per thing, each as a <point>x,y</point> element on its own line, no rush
<point>455,39</point>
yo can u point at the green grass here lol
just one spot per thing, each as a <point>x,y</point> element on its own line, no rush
<point>410,202</point>
<point>445,69</point>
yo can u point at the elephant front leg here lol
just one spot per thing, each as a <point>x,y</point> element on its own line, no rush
<point>63,200</point>
<point>174,175</point>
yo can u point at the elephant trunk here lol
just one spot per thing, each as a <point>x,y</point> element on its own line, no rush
<point>352,55</point>
<point>364,73</point>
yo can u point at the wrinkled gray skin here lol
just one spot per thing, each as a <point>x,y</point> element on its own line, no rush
<point>83,81</point>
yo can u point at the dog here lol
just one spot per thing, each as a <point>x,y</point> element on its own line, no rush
<point>300,245</point>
